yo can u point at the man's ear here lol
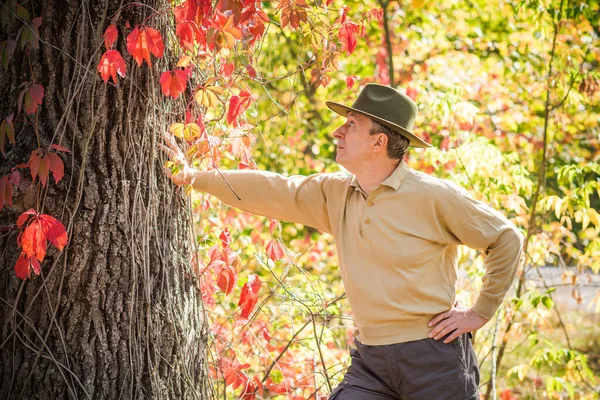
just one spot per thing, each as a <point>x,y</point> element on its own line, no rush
<point>380,143</point>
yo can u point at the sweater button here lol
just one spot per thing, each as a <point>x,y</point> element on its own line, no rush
<point>370,204</point>
<point>367,221</point>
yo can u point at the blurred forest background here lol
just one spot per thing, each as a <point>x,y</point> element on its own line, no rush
<point>508,93</point>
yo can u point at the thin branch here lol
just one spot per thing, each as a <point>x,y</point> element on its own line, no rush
<point>388,40</point>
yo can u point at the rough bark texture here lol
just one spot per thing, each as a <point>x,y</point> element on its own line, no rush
<point>117,314</point>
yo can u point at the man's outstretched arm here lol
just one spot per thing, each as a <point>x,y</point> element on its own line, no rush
<point>300,199</point>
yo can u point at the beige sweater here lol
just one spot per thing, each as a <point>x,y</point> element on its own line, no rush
<point>397,246</point>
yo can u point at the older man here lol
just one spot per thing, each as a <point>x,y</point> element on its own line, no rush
<point>397,231</point>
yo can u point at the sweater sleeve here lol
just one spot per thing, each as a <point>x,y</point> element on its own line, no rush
<point>299,199</point>
<point>476,225</point>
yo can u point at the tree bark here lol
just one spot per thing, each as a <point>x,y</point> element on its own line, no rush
<point>117,314</point>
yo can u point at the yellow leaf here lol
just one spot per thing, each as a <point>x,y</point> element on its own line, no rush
<point>594,217</point>
<point>191,131</point>
<point>208,96</point>
<point>585,219</point>
<point>186,131</point>
<point>177,129</point>
<point>558,207</point>
<point>192,151</point>
<point>184,61</point>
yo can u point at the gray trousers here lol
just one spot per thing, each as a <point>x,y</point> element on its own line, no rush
<point>424,369</point>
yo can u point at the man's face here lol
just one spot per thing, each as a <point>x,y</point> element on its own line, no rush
<point>354,143</point>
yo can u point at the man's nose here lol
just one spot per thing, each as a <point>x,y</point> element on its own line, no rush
<point>338,134</point>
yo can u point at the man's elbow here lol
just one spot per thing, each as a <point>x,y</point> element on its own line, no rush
<point>516,239</point>
<point>520,237</point>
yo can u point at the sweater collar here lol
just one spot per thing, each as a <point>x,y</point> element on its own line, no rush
<point>394,180</point>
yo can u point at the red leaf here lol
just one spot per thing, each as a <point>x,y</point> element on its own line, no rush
<point>227,69</point>
<point>142,41</point>
<point>173,83</point>
<point>350,81</point>
<point>374,13</point>
<point>33,240</point>
<point>37,22</point>
<point>249,296</point>
<point>234,377</point>
<point>188,34</point>
<point>347,35</point>
<point>56,166</point>
<point>190,10</point>
<point>35,265</point>
<point>252,386</point>
<point>237,105</point>
<point>112,64</point>
<point>37,92</point>
<point>293,12</point>
<point>15,178</point>
<point>254,19</point>
<point>59,148</point>
<point>225,237</point>
<point>272,225</point>
<point>186,11</point>
<point>55,231</point>
<point>227,279</point>
<point>275,250</point>
<point>412,92</point>
<point>224,32</point>
<point>34,164</point>
<point>44,170</point>
<point>33,98</point>
<point>110,35</point>
<point>24,217</point>
<point>22,267</point>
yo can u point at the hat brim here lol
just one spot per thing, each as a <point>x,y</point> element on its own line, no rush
<point>344,110</point>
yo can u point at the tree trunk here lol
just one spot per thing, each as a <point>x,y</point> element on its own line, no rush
<point>116,314</point>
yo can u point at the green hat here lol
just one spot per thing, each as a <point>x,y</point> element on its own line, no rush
<point>387,106</point>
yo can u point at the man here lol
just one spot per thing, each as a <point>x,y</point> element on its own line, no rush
<point>397,232</point>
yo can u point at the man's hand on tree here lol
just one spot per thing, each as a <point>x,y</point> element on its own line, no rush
<point>456,321</point>
<point>185,174</point>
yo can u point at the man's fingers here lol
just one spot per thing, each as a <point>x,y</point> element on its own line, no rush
<point>435,320</point>
<point>440,327</point>
<point>453,336</point>
<point>169,140</point>
<point>447,329</point>
<point>172,145</point>
<point>170,153</point>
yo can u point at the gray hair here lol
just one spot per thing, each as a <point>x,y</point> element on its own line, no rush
<point>397,145</point>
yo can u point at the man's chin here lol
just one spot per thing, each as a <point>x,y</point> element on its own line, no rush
<point>340,160</point>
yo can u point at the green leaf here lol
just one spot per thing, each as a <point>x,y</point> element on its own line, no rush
<point>276,375</point>
<point>547,301</point>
